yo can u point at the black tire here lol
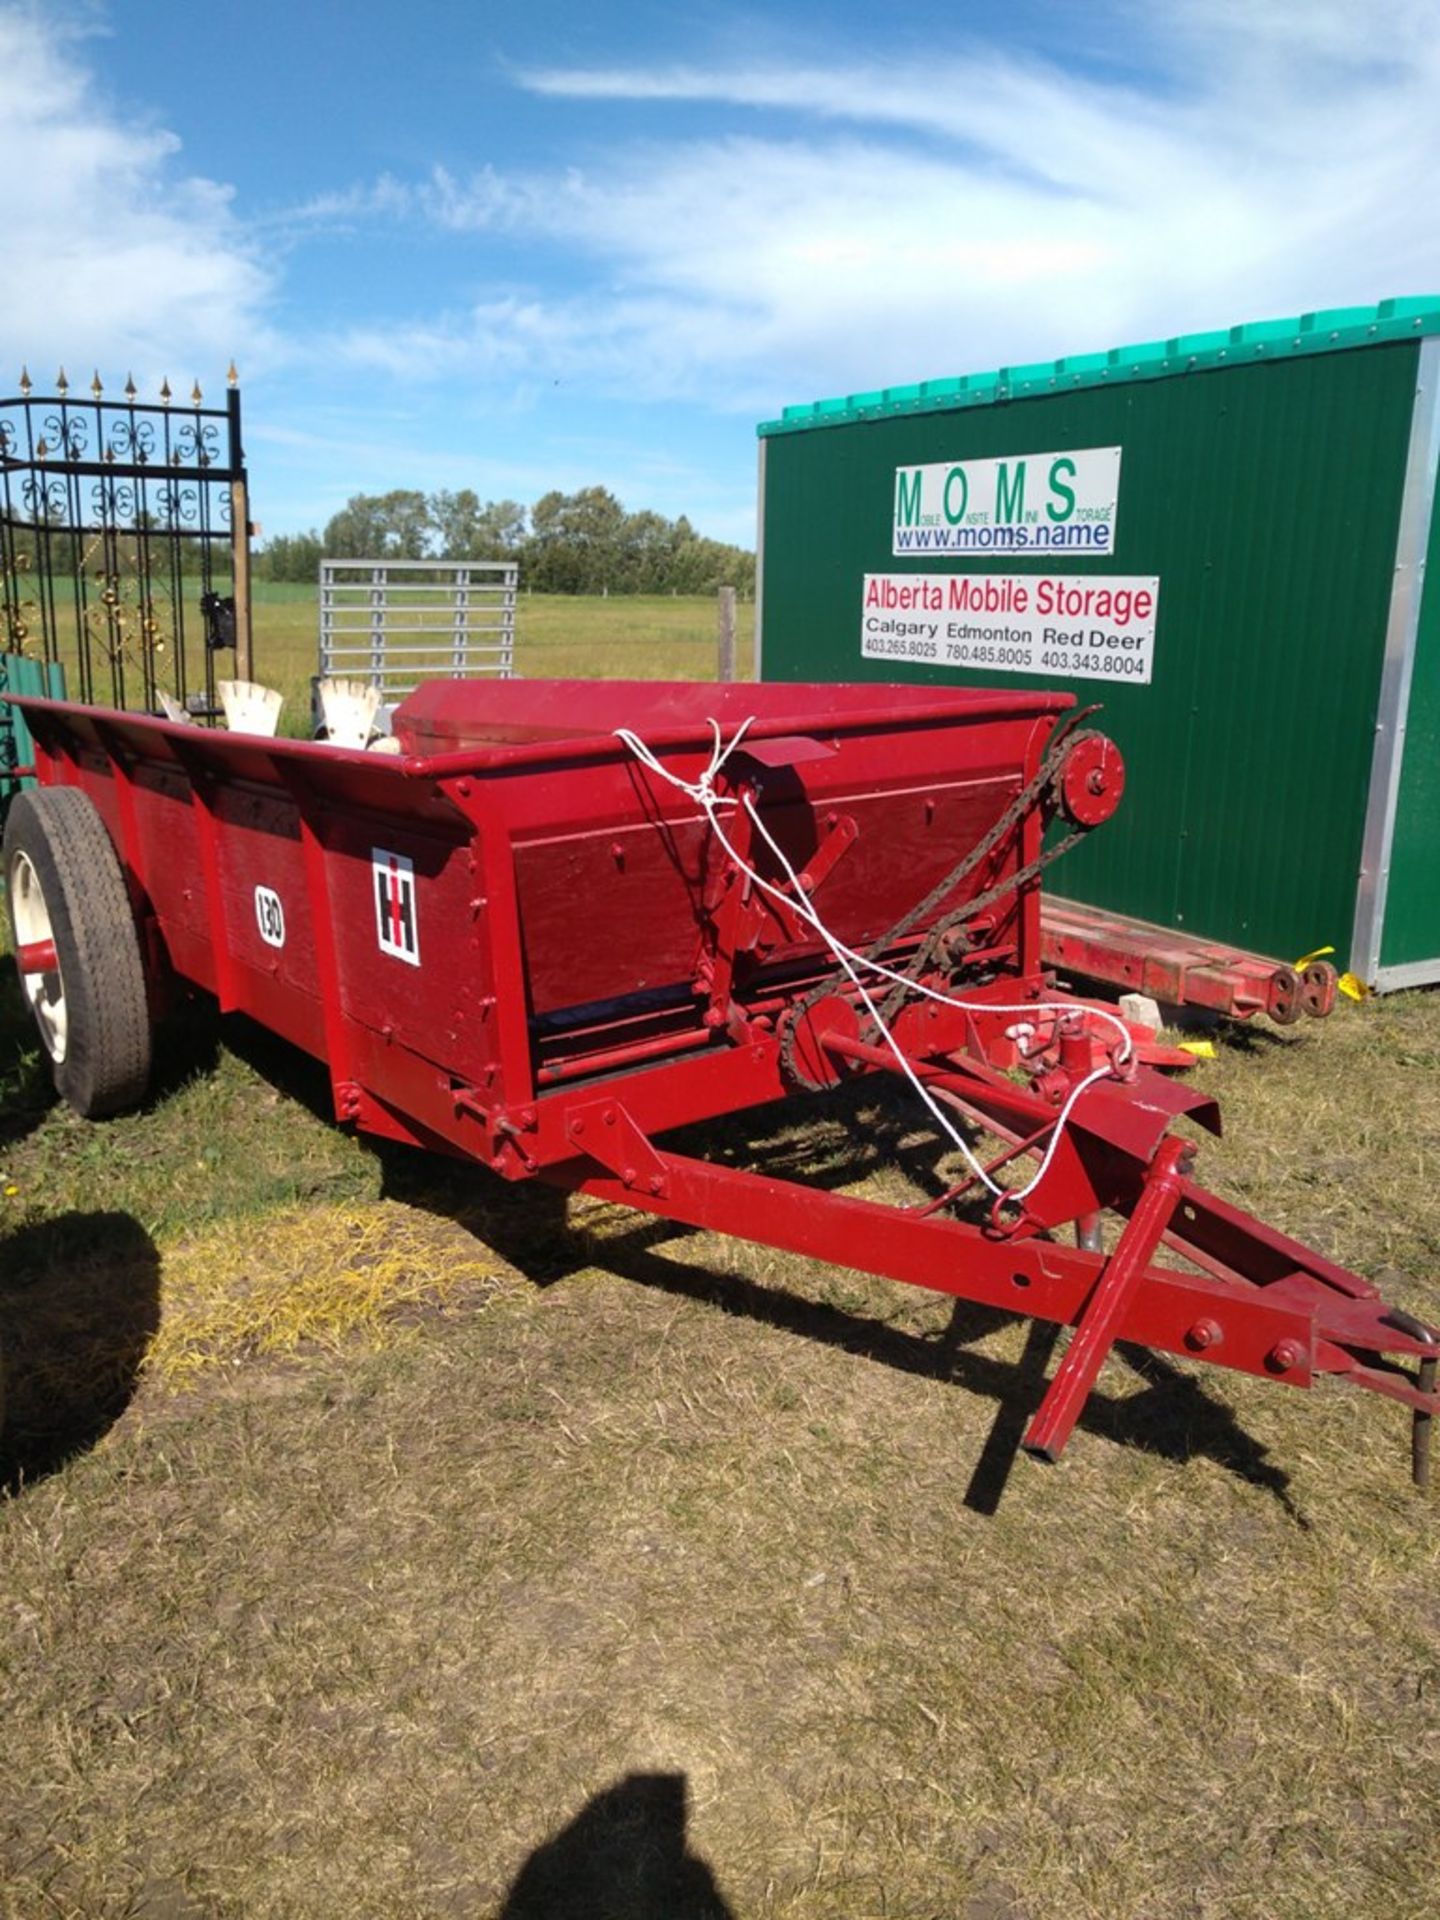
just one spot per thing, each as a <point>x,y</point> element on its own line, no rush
<point>99,1048</point>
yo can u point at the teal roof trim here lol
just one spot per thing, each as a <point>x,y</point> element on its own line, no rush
<point>1331,330</point>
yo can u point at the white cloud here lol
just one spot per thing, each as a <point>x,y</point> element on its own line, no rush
<point>486,201</point>
<point>895,220</point>
<point>114,253</point>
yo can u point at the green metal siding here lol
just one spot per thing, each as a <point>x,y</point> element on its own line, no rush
<point>1266,497</point>
<point>1411,929</point>
<point>20,674</point>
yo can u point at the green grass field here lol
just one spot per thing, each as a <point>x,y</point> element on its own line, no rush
<point>557,637</point>
<point>383,1540</point>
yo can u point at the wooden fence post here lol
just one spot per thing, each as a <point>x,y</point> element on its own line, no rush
<point>726,665</point>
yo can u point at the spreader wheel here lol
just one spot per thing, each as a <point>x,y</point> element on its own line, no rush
<point>77,949</point>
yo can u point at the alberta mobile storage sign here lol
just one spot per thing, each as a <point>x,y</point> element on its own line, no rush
<point>1077,627</point>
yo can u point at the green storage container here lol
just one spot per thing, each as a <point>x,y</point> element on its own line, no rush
<point>20,674</point>
<point>1223,538</point>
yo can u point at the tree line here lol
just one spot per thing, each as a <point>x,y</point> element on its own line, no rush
<point>581,542</point>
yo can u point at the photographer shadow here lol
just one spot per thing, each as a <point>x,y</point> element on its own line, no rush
<point>79,1306</point>
<point>625,1856</point>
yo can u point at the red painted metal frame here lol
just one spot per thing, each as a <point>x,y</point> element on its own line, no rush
<point>1180,969</point>
<point>593,972</point>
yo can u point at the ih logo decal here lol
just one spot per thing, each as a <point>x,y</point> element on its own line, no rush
<point>396,920</point>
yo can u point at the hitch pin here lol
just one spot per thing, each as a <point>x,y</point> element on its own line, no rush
<point>1422,1421</point>
<point>1422,1428</point>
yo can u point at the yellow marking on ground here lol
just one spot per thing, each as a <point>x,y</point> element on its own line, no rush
<point>308,1276</point>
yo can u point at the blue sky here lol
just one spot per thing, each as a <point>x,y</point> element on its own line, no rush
<point>464,245</point>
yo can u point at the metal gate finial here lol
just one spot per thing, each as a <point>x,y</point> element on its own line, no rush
<point>118,524</point>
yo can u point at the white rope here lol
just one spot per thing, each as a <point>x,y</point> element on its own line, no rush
<point>702,792</point>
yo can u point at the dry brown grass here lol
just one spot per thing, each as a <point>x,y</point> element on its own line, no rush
<point>359,1626</point>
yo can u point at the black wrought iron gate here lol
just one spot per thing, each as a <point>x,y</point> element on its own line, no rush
<point>125,541</point>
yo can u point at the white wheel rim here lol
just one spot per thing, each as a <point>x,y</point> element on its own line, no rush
<point>44,990</point>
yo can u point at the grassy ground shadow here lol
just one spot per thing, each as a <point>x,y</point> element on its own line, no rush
<point>871,1127</point>
<point>1176,1416</point>
<point>79,1305</point>
<point>624,1856</point>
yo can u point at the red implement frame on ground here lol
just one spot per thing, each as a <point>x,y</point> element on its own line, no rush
<point>515,942</point>
<point>1180,969</point>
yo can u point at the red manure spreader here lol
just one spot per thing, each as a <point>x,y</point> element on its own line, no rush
<point>566,918</point>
